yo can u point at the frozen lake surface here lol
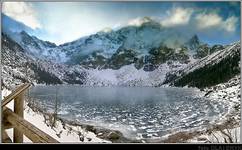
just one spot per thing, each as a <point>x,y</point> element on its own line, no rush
<point>138,112</point>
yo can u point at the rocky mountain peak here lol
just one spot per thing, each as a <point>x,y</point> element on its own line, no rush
<point>193,44</point>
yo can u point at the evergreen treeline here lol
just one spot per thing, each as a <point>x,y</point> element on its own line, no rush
<point>212,74</point>
<point>43,76</point>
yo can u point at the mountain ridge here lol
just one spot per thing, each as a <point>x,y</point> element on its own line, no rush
<point>130,56</point>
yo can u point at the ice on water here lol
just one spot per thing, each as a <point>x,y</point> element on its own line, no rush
<point>138,111</point>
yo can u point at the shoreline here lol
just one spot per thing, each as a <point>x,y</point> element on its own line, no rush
<point>217,132</point>
<point>205,134</point>
<point>178,137</point>
<point>113,136</point>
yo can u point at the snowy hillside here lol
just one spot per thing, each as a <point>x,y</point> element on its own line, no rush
<point>211,70</point>
<point>19,66</point>
<point>130,76</point>
<point>38,48</point>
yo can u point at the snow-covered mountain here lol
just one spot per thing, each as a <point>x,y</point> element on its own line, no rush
<point>193,44</point>
<point>37,48</point>
<point>24,36</point>
<point>102,45</point>
<point>213,69</point>
<point>138,39</point>
<point>136,55</point>
<point>18,66</point>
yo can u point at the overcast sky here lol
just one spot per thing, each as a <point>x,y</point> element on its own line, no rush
<point>60,22</point>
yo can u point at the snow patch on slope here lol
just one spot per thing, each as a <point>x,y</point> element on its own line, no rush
<point>130,76</point>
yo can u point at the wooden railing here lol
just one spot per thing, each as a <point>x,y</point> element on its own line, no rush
<point>15,119</point>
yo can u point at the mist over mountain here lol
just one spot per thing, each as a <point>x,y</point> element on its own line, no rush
<point>145,53</point>
<point>10,25</point>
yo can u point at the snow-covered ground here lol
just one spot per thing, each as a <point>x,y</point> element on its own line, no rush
<point>229,92</point>
<point>67,134</point>
<point>218,136</point>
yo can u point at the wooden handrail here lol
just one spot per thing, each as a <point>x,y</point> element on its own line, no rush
<point>16,120</point>
<point>15,94</point>
<point>29,130</point>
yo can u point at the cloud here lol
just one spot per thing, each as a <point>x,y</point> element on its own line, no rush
<point>22,12</point>
<point>139,21</point>
<point>213,20</point>
<point>200,20</point>
<point>208,20</point>
<point>230,24</point>
<point>177,16</point>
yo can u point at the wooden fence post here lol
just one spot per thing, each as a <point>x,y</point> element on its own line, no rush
<point>29,130</point>
<point>5,137</point>
<point>15,119</point>
<point>19,110</point>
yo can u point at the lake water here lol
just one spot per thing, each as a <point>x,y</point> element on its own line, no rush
<point>138,112</point>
